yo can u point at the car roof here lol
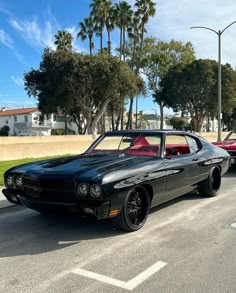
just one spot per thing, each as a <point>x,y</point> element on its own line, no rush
<point>147,131</point>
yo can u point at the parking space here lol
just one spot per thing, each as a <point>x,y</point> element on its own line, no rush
<point>187,245</point>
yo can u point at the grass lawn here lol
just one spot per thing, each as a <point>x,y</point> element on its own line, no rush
<point>5,165</point>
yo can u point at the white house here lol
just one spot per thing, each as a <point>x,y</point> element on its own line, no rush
<point>26,120</point>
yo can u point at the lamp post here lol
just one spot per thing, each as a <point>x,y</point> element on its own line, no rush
<point>219,33</point>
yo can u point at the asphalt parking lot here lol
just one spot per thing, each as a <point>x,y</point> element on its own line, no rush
<point>187,245</point>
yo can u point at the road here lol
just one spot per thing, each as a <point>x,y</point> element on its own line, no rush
<point>187,245</point>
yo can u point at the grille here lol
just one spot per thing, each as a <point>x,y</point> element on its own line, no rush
<point>54,189</point>
<point>32,187</point>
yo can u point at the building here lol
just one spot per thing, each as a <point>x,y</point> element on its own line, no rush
<point>26,121</point>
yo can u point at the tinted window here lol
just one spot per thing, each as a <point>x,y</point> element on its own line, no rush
<point>193,144</point>
<point>176,145</point>
<point>134,144</point>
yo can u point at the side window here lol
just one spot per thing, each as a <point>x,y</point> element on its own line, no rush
<point>176,145</point>
<point>194,146</point>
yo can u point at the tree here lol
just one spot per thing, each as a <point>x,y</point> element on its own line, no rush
<point>178,123</point>
<point>145,10</point>
<point>123,16</point>
<point>63,40</point>
<point>193,88</point>
<point>110,25</point>
<point>87,29</point>
<point>157,58</point>
<point>100,10</point>
<point>4,131</point>
<point>69,80</point>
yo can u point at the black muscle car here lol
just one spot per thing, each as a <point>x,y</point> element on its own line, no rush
<point>121,176</point>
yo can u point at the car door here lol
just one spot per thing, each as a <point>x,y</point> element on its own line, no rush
<point>199,161</point>
<point>180,164</point>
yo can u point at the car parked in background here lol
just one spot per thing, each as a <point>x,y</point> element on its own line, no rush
<point>121,175</point>
<point>229,144</point>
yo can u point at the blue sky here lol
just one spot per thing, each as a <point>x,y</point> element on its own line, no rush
<point>27,27</point>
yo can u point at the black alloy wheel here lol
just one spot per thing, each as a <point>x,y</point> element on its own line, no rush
<point>135,210</point>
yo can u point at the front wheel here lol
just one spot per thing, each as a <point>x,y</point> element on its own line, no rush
<point>211,185</point>
<point>135,210</point>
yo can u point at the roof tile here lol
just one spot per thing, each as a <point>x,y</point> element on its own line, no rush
<point>18,111</point>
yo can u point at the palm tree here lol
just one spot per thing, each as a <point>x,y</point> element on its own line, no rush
<point>87,29</point>
<point>63,40</point>
<point>134,34</point>
<point>110,25</point>
<point>145,10</point>
<point>123,15</point>
<point>100,10</point>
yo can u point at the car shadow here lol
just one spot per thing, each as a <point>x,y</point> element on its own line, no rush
<point>32,233</point>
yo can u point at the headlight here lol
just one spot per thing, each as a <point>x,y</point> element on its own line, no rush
<point>19,182</point>
<point>95,191</point>
<point>10,181</point>
<point>83,189</point>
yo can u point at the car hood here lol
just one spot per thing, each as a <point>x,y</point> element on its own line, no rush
<point>86,165</point>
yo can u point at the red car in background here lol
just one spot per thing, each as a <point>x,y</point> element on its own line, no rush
<point>229,144</point>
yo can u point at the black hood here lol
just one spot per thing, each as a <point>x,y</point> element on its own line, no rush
<point>86,165</point>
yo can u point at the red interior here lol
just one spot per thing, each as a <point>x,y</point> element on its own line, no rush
<point>141,147</point>
<point>175,150</point>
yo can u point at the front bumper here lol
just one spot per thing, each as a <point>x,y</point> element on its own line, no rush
<point>101,210</point>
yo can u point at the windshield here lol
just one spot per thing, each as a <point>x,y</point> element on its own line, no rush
<point>231,136</point>
<point>132,144</point>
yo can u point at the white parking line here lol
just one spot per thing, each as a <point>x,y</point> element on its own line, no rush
<point>131,284</point>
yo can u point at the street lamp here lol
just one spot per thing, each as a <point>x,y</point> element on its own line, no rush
<point>219,33</point>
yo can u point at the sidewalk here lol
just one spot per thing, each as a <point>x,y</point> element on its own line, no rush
<point>4,203</point>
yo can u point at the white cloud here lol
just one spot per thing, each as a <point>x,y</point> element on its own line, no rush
<point>17,80</point>
<point>16,25</point>
<point>6,40</point>
<point>38,31</point>
<point>33,33</point>
<point>174,19</point>
<point>42,35</point>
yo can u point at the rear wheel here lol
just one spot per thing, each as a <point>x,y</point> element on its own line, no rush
<point>135,210</point>
<point>211,185</point>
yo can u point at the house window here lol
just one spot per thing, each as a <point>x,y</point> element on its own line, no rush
<point>26,118</point>
<point>15,118</point>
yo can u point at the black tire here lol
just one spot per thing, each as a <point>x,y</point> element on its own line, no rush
<point>135,210</point>
<point>211,185</point>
